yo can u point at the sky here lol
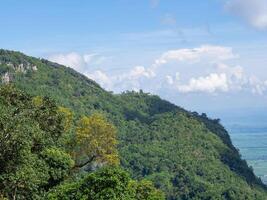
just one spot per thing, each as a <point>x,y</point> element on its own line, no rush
<point>208,55</point>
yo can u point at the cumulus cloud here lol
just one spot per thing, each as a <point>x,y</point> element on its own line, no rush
<point>211,83</point>
<point>140,71</point>
<point>253,11</point>
<point>236,72</point>
<point>235,75</point>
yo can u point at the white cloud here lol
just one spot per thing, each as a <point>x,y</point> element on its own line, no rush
<point>236,76</point>
<point>74,60</point>
<point>211,83</point>
<point>173,80</point>
<point>94,59</point>
<point>140,71</point>
<point>169,79</point>
<point>236,72</point>
<point>88,58</point>
<point>207,53</point>
<point>77,61</point>
<point>102,78</point>
<point>130,80</point>
<point>253,11</point>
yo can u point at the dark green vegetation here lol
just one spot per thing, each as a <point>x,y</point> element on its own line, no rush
<point>31,159</point>
<point>186,155</point>
<point>36,161</point>
<point>107,183</point>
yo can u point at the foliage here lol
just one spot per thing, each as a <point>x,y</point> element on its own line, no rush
<point>30,158</point>
<point>96,140</point>
<point>145,190</point>
<point>107,184</point>
<point>67,116</point>
<point>59,164</point>
<point>33,161</point>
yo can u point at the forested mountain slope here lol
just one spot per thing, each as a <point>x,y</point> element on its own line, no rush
<point>39,154</point>
<point>186,155</point>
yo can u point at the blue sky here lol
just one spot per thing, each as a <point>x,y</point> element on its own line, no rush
<point>207,55</point>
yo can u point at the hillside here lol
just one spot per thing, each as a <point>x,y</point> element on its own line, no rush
<point>187,155</point>
<point>36,161</point>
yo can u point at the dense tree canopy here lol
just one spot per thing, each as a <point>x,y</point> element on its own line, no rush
<point>31,158</point>
<point>34,158</point>
<point>105,184</point>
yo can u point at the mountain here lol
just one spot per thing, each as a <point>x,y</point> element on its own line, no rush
<point>185,154</point>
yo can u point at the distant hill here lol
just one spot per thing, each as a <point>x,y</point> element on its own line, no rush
<point>187,155</point>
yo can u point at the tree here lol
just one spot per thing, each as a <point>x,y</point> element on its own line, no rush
<point>108,183</point>
<point>96,142</point>
<point>31,158</point>
<point>67,116</point>
<point>146,190</point>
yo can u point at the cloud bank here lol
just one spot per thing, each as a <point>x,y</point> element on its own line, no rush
<point>206,69</point>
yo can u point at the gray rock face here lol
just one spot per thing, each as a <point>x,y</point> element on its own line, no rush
<point>6,78</point>
<point>23,68</point>
<point>15,68</point>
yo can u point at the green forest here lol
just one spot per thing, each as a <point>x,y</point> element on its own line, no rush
<point>64,137</point>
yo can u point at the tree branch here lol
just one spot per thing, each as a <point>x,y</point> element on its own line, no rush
<point>85,163</point>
